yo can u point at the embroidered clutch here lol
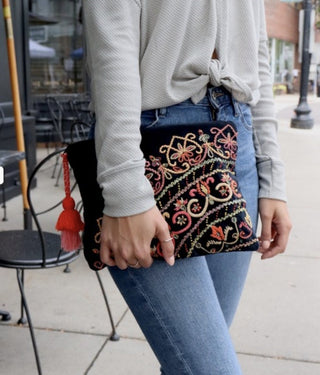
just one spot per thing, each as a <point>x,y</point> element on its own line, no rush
<point>192,172</point>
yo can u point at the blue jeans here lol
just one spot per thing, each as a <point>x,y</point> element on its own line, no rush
<point>184,311</point>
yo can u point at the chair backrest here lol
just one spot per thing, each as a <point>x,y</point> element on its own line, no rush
<point>81,111</point>
<point>45,201</point>
<point>69,126</point>
<point>56,113</point>
<point>79,131</point>
<point>55,108</point>
<point>41,109</point>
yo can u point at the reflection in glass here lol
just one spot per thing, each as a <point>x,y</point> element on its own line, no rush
<point>55,43</point>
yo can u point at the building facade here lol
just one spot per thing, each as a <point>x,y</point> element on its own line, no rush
<point>285,28</point>
<point>283,33</point>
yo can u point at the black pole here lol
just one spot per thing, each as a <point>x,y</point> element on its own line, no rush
<point>303,120</point>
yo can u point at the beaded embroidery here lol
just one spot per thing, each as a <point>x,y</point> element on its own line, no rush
<point>192,172</point>
<point>193,178</point>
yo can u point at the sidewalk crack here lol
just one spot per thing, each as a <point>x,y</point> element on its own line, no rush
<point>280,358</point>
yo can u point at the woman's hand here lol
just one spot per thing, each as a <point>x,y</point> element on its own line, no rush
<point>276,226</point>
<point>125,241</point>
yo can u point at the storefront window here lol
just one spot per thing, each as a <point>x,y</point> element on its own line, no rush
<point>282,60</point>
<point>55,41</point>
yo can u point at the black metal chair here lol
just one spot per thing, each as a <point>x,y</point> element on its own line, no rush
<point>68,126</point>
<point>62,118</point>
<point>81,111</point>
<point>79,131</point>
<point>38,248</point>
<point>45,130</point>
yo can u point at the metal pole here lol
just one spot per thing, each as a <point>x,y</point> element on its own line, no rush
<point>303,120</point>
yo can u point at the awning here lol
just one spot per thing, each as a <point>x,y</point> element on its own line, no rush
<point>38,51</point>
<point>77,54</point>
<point>38,19</point>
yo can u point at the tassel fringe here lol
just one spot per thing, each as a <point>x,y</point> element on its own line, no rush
<point>69,221</point>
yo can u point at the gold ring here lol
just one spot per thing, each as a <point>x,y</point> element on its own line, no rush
<point>168,240</point>
<point>133,265</point>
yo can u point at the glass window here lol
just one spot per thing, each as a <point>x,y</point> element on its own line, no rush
<point>55,41</point>
<point>282,60</point>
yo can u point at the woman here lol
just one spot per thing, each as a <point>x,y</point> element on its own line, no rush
<point>181,61</point>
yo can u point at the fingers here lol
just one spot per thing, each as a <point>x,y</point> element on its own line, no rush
<point>266,237</point>
<point>125,241</point>
<point>168,250</point>
<point>134,252</point>
<point>276,245</point>
<point>106,256</point>
<point>113,249</point>
<point>167,245</point>
<point>124,255</point>
<point>276,226</point>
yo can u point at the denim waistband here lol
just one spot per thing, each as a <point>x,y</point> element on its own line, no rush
<point>214,98</point>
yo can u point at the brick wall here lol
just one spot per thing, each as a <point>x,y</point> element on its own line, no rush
<point>282,21</point>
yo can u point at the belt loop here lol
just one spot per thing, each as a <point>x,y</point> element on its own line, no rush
<point>162,112</point>
<point>212,99</point>
<point>158,113</point>
<point>156,118</point>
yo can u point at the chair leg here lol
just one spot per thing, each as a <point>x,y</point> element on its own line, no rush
<point>67,269</point>
<point>114,336</point>
<point>55,166</point>
<point>22,319</point>
<point>35,349</point>
<point>5,316</point>
<point>58,176</point>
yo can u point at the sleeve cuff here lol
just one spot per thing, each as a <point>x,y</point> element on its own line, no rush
<point>127,192</point>
<point>272,180</point>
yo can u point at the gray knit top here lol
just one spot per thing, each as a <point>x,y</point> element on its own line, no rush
<point>147,54</point>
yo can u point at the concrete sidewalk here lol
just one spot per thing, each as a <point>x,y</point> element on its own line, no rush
<point>276,330</point>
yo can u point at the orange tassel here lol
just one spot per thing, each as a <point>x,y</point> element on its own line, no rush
<point>69,221</point>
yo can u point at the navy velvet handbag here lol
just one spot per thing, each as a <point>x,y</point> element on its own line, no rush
<point>192,172</point>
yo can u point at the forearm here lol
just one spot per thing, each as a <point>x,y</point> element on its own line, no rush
<point>113,37</point>
<point>270,166</point>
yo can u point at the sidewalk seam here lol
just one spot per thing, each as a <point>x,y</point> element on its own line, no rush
<point>104,344</point>
<point>279,358</point>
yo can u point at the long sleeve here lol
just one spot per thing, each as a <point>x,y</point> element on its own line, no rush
<point>112,30</point>
<point>269,164</point>
<point>141,56</point>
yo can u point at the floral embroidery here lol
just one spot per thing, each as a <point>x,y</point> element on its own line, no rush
<point>193,178</point>
<point>226,178</point>
<point>180,204</point>
<point>196,207</point>
<point>229,143</point>
<point>184,153</point>
<point>197,192</point>
<point>227,137</point>
<point>223,191</point>
<point>155,162</point>
<point>181,220</point>
<point>217,233</point>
